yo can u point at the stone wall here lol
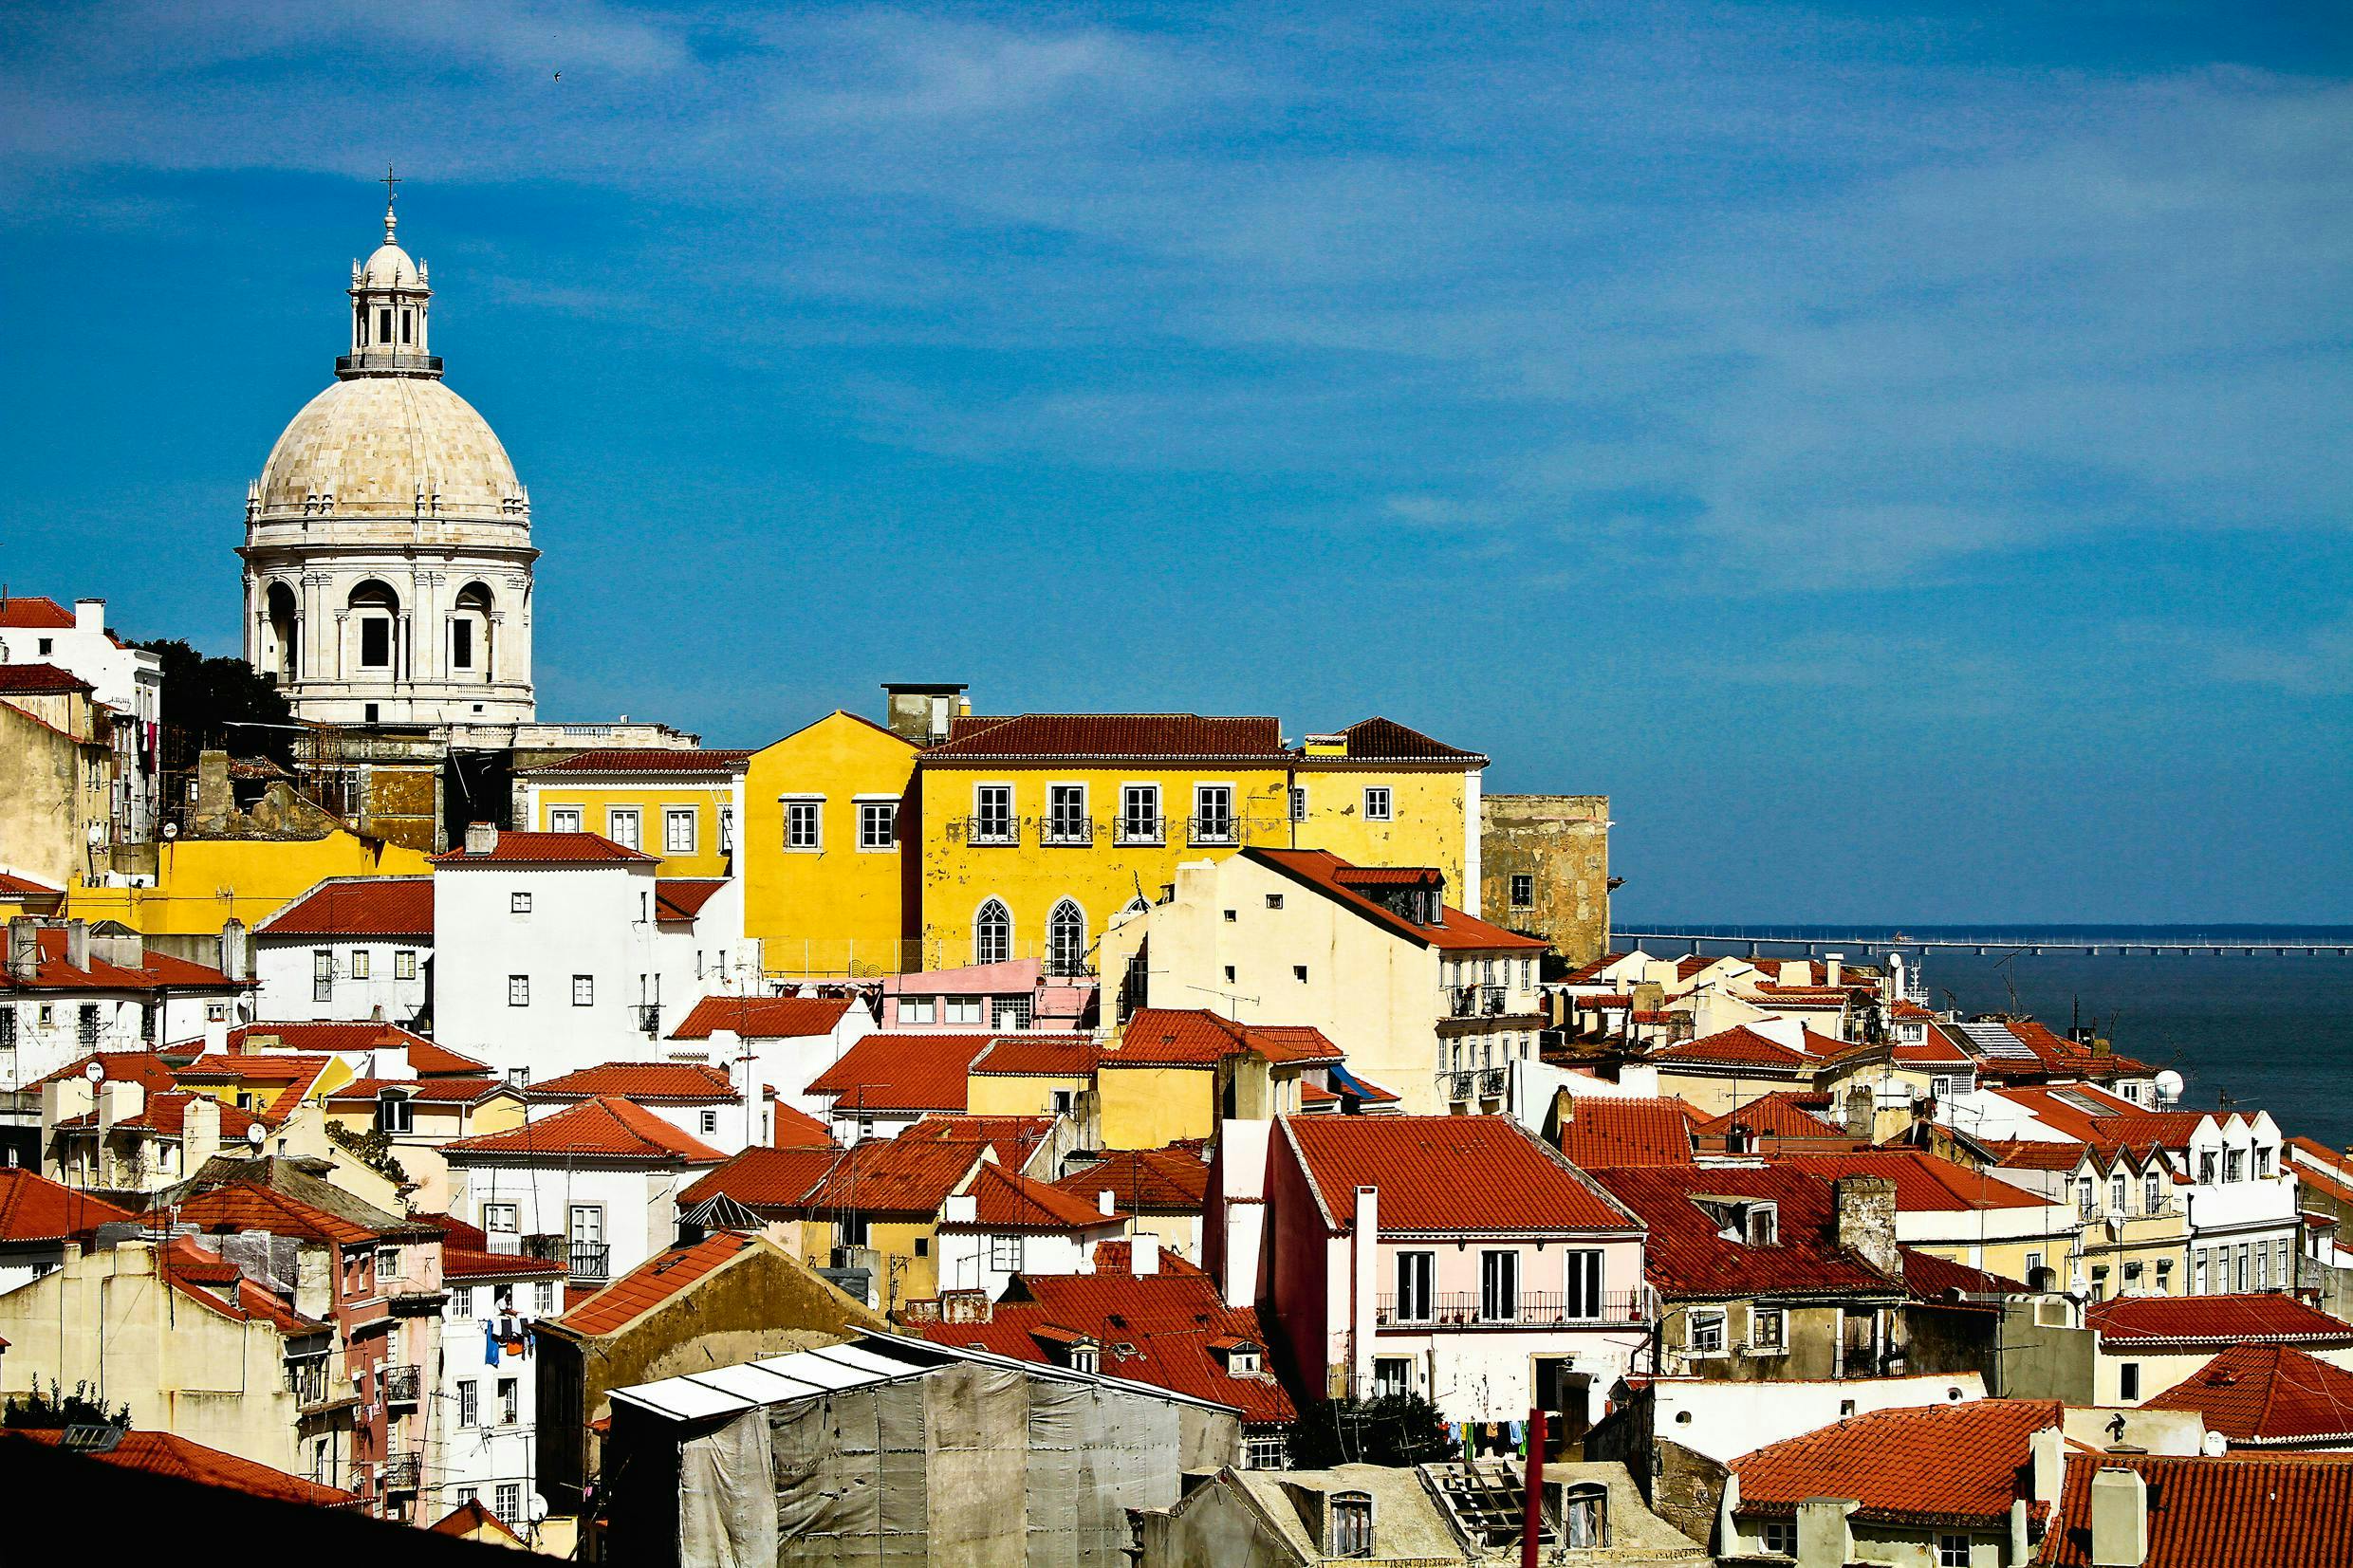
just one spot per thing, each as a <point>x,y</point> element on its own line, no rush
<point>1561,844</point>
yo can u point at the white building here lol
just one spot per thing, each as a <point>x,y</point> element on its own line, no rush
<point>353,947</point>
<point>68,990</point>
<point>387,541</point>
<point>780,1043</point>
<point>596,1184</point>
<point>126,681</point>
<point>1003,1224</point>
<point>547,950</point>
<point>485,1446</point>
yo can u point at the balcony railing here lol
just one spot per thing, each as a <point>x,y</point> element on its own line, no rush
<point>649,1018</point>
<point>401,1472</point>
<point>1069,831</point>
<point>986,830</point>
<point>1461,1085</point>
<point>400,1385</point>
<point>588,1261</point>
<point>1140,830</point>
<point>1212,830</point>
<point>1470,1309</point>
<point>1490,1080</point>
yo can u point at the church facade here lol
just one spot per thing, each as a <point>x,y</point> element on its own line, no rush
<point>388,541</point>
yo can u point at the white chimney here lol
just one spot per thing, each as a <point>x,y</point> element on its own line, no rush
<point>200,1134</point>
<point>1104,1203</point>
<point>481,837</point>
<point>89,615</point>
<point>960,1209</point>
<point>2119,1518</point>
<point>24,949</point>
<point>232,950</point>
<point>215,1036</point>
<point>1831,966</point>
<point>1144,1255</point>
<point>78,944</point>
<point>119,1100</point>
<point>1365,1282</point>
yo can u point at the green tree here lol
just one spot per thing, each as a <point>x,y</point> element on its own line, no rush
<point>36,1411</point>
<point>222,702</point>
<point>1401,1429</point>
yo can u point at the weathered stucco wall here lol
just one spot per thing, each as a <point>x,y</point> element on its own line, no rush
<point>1561,843</point>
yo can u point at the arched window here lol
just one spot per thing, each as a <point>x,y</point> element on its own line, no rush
<point>1065,940</point>
<point>373,608</point>
<point>993,934</point>
<point>470,629</point>
<point>285,631</point>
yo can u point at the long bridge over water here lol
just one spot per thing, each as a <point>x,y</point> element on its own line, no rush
<point>1869,947</point>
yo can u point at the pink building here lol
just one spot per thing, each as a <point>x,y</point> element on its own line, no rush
<point>1001,998</point>
<point>1457,1258</point>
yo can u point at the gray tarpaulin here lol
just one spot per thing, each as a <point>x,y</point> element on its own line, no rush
<point>727,1506</point>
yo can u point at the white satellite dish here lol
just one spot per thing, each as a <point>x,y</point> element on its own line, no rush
<point>171,830</point>
<point>255,1135</point>
<point>539,1507</point>
<point>94,1072</point>
<point>2215,1446</point>
<point>2169,1086</point>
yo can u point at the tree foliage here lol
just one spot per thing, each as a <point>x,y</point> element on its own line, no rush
<point>1402,1428</point>
<point>36,1411</point>
<point>218,703</point>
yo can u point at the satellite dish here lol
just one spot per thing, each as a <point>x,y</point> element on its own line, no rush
<point>539,1507</point>
<point>2215,1446</point>
<point>2169,1086</point>
<point>171,830</point>
<point>96,1071</point>
<point>255,1135</point>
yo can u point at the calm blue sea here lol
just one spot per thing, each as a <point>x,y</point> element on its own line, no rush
<point>2267,1031</point>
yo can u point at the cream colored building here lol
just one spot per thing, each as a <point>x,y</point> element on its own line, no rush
<point>388,541</point>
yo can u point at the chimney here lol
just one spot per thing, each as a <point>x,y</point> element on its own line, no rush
<point>232,950</point>
<point>62,1099</point>
<point>1866,1221</point>
<point>1104,1203</point>
<point>2119,1518</point>
<point>920,711</point>
<point>24,949</point>
<point>2046,1449</point>
<point>1833,965</point>
<point>200,1134</point>
<point>119,1100</point>
<point>1824,1538</point>
<point>90,615</point>
<point>960,1209</point>
<point>481,837</point>
<point>78,944</point>
<point>1144,1255</point>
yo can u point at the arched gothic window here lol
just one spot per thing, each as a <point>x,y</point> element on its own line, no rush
<point>1065,940</point>
<point>993,934</point>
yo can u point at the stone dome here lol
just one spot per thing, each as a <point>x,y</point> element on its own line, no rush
<point>372,443</point>
<point>389,267</point>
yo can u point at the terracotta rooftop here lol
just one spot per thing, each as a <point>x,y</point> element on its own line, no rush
<point>157,972</point>
<point>307,1038</point>
<point>517,846</point>
<point>34,1208</point>
<point>1195,1037</point>
<point>165,1453</point>
<point>1002,1201</point>
<point>147,1069</point>
<point>1688,1256</point>
<point>1038,1056</point>
<point>1783,1114</point>
<point>653,1282</point>
<point>1452,1175</point>
<point>251,1206</point>
<point>603,1127</point>
<point>17,886</point>
<point>1922,1464</point>
<point>358,906</point>
<point>40,678</point>
<point>466,1254</point>
<point>470,1519</point>
<point>2268,1393</point>
<point>901,1073</point>
<point>34,612</point>
<point>1738,1046</point>
<point>1055,737</point>
<point>447,1091</point>
<point>165,1114</point>
<point>893,1177</point>
<point>761,1177</point>
<point>1930,1278</point>
<point>1014,1138</point>
<point>2145,1322</point>
<point>1924,1184</point>
<point>1323,870</point>
<point>1386,740</point>
<point>683,897</point>
<point>2266,1512</point>
<point>796,1129</point>
<point>1599,1131</point>
<point>646,1083</point>
<point>763,1017</point>
<point>1155,1181</point>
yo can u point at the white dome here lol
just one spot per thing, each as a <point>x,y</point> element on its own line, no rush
<point>389,267</point>
<point>374,442</point>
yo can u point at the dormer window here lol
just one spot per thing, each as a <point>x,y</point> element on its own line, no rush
<point>1746,1221</point>
<point>1349,1532</point>
<point>393,1112</point>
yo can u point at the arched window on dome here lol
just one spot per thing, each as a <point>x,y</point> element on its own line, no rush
<point>470,633</point>
<point>282,614</point>
<point>374,611</point>
<point>1065,940</point>
<point>993,934</point>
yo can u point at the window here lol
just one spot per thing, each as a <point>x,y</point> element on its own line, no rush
<point>678,830</point>
<point>543,1296</point>
<point>468,1403</point>
<point>878,824</point>
<point>960,1010</point>
<point>394,1113</point>
<point>1761,1225</point>
<point>564,818</point>
<point>1391,1377</point>
<point>2263,1163</point>
<point>710,1122</point>
<point>509,1401</point>
<point>1065,940</point>
<point>1065,815</point>
<point>2084,1196</point>
<point>375,642</point>
<point>2152,1193</point>
<point>1010,1012</point>
<point>992,935</point>
<point>359,963</point>
<point>620,825</point>
<point>1523,891</point>
<point>2206,1168</point>
<point>726,830</point>
<point>1779,1537</point>
<point>1584,1517</point>
<point>510,1506</point>
<point>2116,1194</point>
<point>1005,1254</point>
<point>1299,803</point>
<point>1951,1551</point>
<point>1377,805</point>
<point>1275,900</point>
<point>917,1009</point>
<point>1352,1525</point>
<point>461,644</point>
<point>1416,1271</point>
<point>1584,1281</point>
<point>1499,1286</point>
<point>2035,1265</point>
<point>1212,814</point>
<point>2197,1271</point>
<point>2234,1164</point>
<point>518,991</point>
<point>2263,1266</point>
<point>1707,1332</point>
<point>1139,814</point>
<point>1299,972</point>
<point>805,825</point>
<point>323,975</point>
<point>2243,1261</point>
<point>1768,1329</point>
<point>498,1216</point>
<point>992,814</point>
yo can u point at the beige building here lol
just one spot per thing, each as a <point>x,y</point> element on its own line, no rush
<point>1544,869</point>
<point>56,774</point>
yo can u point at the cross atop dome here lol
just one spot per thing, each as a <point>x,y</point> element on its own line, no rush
<point>390,196</point>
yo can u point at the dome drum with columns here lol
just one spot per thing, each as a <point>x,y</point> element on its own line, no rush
<point>388,541</point>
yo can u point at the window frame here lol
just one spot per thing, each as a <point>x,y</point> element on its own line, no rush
<point>1147,827</point>
<point>564,818</point>
<point>1380,803</point>
<point>1066,823</point>
<point>1499,1285</point>
<point>1778,1344</point>
<point>993,934</point>
<point>797,811</point>
<point>1952,1551</point>
<point>583,991</point>
<point>1523,894</point>
<point>988,794</point>
<point>871,810</point>
<point>615,815</point>
<point>1004,1252</point>
<point>671,817</point>
<point>518,991</point>
<point>1415,1286</point>
<point>1348,1528</point>
<point>1702,1324</point>
<point>1203,789</point>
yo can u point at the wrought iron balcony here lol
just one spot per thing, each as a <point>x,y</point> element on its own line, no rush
<point>588,1261</point>
<point>399,1385</point>
<point>1490,1080</point>
<point>986,830</point>
<point>401,1472</point>
<point>1212,830</point>
<point>1524,1309</point>
<point>1140,830</point>
<point>1493,1000</point>
<point>1067,830</point>
<point>649,1018</point>
<point>1461,1085</point>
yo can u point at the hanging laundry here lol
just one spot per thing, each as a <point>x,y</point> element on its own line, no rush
<point>489,1341</point>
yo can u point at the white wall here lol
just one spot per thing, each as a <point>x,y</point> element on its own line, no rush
<point>1726,1420</point>
<point>594,920</point>
<point>287,966</point>
<point>492,1451</point>
<point>641,1205</point>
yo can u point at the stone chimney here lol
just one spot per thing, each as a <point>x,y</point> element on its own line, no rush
<point>481,837</point>
<point>90,615</point>
<point>232,950</point>
<point>24,949</point>
<point>200,1134</point>
<point>2119,1518</point>
<point>124,950</point>
<point>1866,1221</point>
<point>215,805</point>
<point>78,944</point>
<point>62,1099</point>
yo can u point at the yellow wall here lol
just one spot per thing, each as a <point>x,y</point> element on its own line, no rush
<point>202,883</point>
<point>53,791</point>
<point>1152,1107</point>
<point>905,1276</point>
<point>266,1091</point>
<point>835,910</point>
<point>434,1123</point>
<point>1427,824</point>
<point>651,798</point>
<point>1006,1095</point>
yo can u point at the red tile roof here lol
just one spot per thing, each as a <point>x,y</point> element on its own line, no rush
<point>1119,1258</point>
<point>296,1075</point>
<point>646,1083</point>
<point>466,1254</point>
<point>2026,1155</point>
<point>1916,1465</point>
<point>763,1017</point>
<point>1002,1201</point>
<point>894,1073</point>
<point>470,1519</point>
<point>654,1281</point>
<point>1054,737</point>
<point>796,1129</point>
<point>893,1177</point>
<point>1782,1114</point>
<point>165,1453</point>
<point>1174,1180</point>
<point>266,1038</point>
<point>33,1209</point>
<point>1180,1037</point>
<point>1474,1176</point>
<point>2267,1393</point>
<point>165,1114</point>
<point>1687,1256</point>
<point>1930,1278</point>
<point>1598,1131</point>
<point>35,611</point>
<point>1321,870</point>
<point>603,1127</point>
<point>683,897</point>
<point>251,1206</point>
<point>10,884</point>
<point>2266,1512</point>
<point>1014,1138</point>
<point>1386,740</point>
<point>358,906</point>
<point>647,760</point>
<point>1038,1056</point>
<point>1738,1046</point>
<point>761,1177</point>
<point>1924,1184</point>
<point>517,846</point>
<point>147,1069</point>
<point>40,678</point>
<point>157,972</point>
<point>2144,1323</point>
<point>447,1091</point>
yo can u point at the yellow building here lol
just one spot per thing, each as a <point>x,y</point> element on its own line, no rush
<point>418,1115</point>
<point>56,774</point>
<point>821,861</point>
<point>680,806</point>
<point>201,884</point>
<point>1032,833</point>
<point>1169,1076</point>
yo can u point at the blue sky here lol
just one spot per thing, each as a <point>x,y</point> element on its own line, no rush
<point>1900,454</point>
